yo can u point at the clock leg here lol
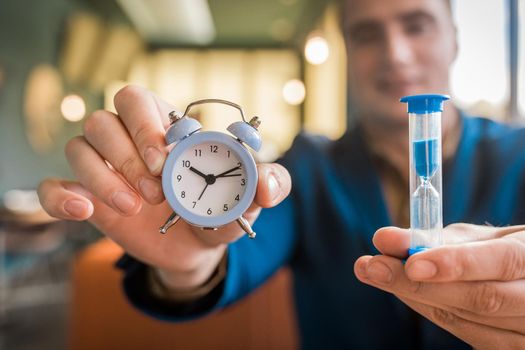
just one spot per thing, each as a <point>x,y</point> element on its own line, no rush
<point>172,220</point>
<point>245,225</point>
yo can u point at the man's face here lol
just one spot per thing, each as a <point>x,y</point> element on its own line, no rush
<point>396,48</point>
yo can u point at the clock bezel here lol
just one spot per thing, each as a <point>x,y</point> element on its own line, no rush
<point>244,156</point>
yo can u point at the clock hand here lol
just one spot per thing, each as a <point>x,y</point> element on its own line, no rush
<point>231,175</point>
<point>210,178</point>
<point>228,171</point>
<point>203,192</point>
<point>198,172</point>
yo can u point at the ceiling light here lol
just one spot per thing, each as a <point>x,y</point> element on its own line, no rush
<point>171,21</point>
<point>316,50</point>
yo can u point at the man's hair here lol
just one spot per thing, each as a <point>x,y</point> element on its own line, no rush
<point>341,5</point>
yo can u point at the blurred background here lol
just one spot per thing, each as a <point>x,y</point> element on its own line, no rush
<point>283,60</point>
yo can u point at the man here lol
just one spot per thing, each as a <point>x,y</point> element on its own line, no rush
<point>344,191</point>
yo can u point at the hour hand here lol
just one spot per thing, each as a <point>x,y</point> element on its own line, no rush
<point>197,172</point>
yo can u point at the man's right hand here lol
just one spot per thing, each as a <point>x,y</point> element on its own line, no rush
<point>117,163</point>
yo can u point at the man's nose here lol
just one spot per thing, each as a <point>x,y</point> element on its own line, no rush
<point>398,49</point>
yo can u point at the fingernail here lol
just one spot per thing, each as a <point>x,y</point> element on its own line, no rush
<point>361,268</point>
<point>379,272</point>
<point>76,208</point>
<point>150,189</point>
<point>153,159</point>
<point>125,202</point>
<point>273,187</point>
<point>421,269</point>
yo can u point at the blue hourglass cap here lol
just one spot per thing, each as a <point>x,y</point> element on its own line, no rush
<point>424,104</point>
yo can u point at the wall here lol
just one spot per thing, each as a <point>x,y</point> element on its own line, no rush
<point>29,35</point>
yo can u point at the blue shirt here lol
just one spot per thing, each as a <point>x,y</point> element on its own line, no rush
<point>328,222</point>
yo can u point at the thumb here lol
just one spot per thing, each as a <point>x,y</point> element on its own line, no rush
<point>274,185</point>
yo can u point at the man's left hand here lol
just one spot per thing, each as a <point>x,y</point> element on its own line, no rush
<point>474,287</point>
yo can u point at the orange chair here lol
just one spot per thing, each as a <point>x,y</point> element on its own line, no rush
<point>102,318</point>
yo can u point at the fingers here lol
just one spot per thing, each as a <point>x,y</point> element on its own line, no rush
<point>462,233</point>
<point>479,336</point>
<point>484,314</point>
<point>392,241</point>
<point>274,185</point>
<point>63,203</point>
<point>511,323</point>
<point>94,175</point>
<point>488,258</point>
<point>145,117</point>
<point>108,136</point>
<point>498,299</point>
<point>501,259</point>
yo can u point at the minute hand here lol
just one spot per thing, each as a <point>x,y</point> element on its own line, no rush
<point>228,171</point>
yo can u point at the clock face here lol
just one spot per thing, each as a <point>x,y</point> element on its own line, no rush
<point>209,179</point>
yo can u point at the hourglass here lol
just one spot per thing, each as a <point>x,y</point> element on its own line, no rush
<point>426,216</point>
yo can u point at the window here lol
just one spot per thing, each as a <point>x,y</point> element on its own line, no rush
<point>479,80</point>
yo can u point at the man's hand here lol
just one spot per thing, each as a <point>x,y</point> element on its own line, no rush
<point>118,162</point>
<point>474,287</point>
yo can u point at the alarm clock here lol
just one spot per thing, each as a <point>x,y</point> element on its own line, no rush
<point>210,178</point>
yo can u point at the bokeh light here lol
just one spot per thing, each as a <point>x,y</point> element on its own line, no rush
<point>73,108</point>
<point>294,92</point>
<point>316,50</point>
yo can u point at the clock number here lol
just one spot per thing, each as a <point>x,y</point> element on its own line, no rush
<point>194,204</point>
<point>179,177</point>
<point>237,198</point>
<point>198,153</point>
<point>213,148</point>
<point>243,182</point>
<point>229,154</point>
<point>183,194</point>
<point>209,211</point>
<point>186,164</point>
<point>225,208</point>
<point>239,164</point>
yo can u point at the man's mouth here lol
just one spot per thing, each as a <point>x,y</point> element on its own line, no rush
<point>399,87</point>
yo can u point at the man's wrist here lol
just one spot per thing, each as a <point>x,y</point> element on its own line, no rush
<point>161,290</point>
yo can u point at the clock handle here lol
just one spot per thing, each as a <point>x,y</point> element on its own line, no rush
<point>172,220</point>
<point>215,100</point>
<point>245,225</point>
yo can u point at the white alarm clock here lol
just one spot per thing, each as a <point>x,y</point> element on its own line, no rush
<point>210,178</point>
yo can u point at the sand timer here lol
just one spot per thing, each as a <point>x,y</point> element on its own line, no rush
<point>426,216</point>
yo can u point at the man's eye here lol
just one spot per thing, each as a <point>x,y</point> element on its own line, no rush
<point>365,36</point>
<point>416,28</point>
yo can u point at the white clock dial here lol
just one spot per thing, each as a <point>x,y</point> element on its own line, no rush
<point>209,179</point>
